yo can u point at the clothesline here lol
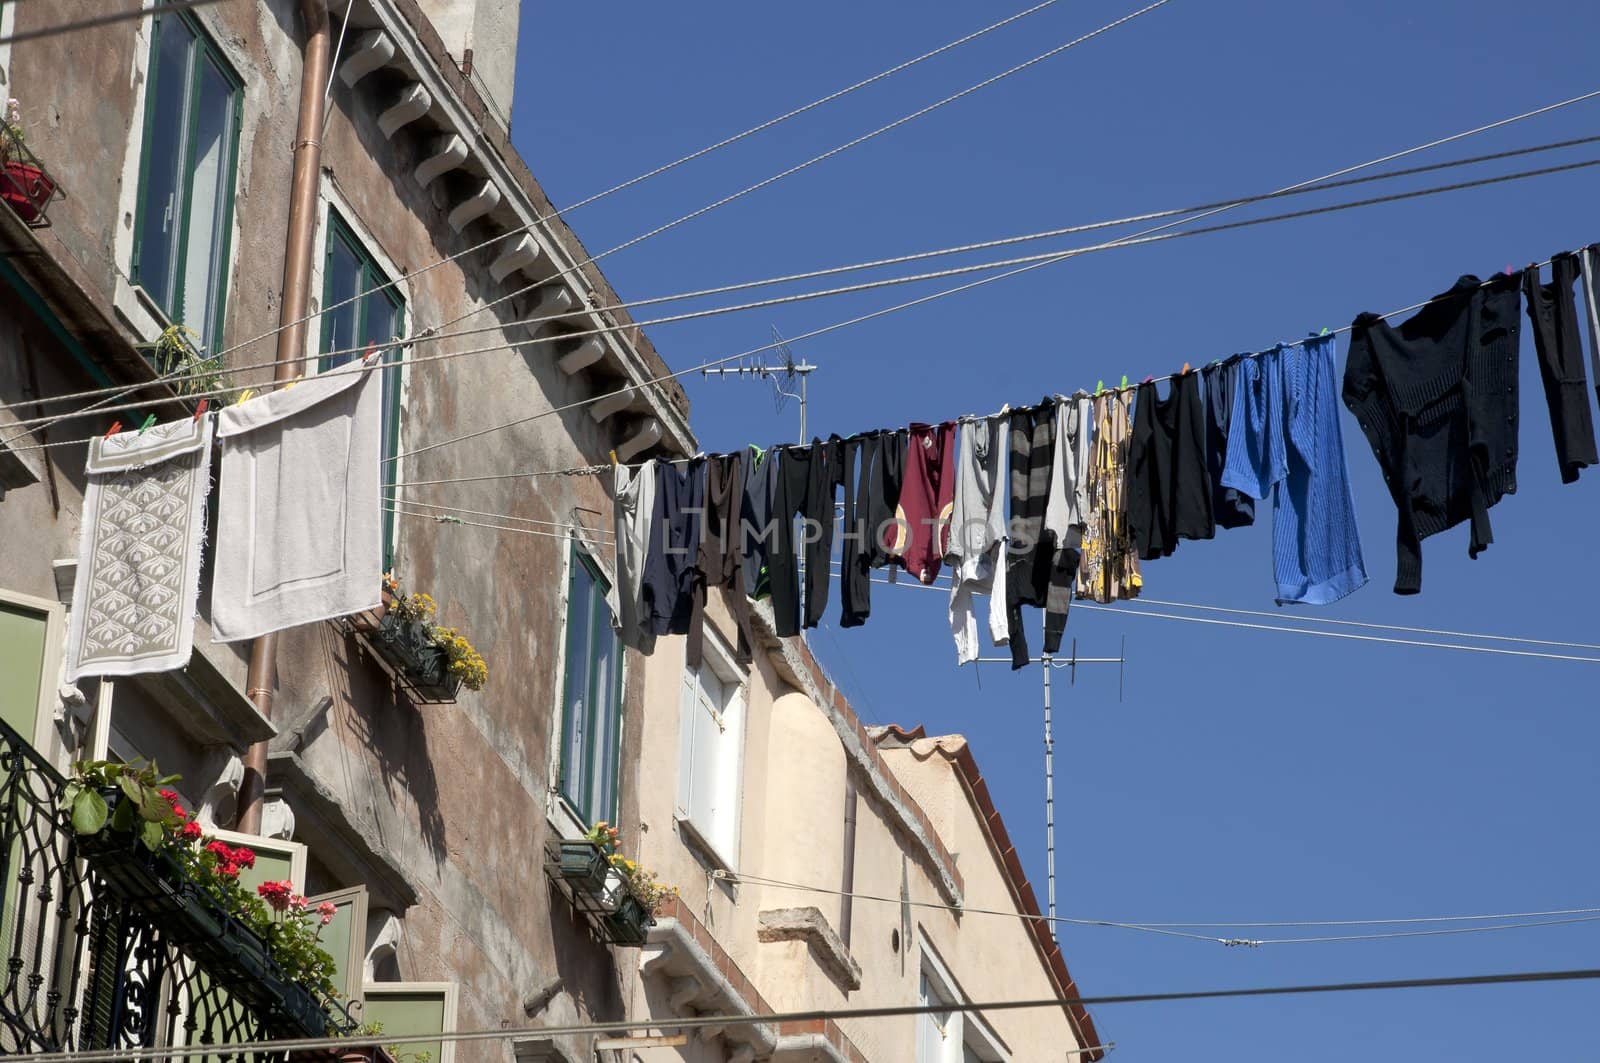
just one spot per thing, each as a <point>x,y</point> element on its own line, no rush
<point>433,335</point>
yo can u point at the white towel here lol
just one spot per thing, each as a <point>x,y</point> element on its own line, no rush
<point>300,524</point>
<point>133,599</point>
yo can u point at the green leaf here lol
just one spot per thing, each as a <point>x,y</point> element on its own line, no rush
<point>152,835</point>
<point>88,812</point>
<point>152,806</point>
<point>131,787</point>
<point>124,817</point>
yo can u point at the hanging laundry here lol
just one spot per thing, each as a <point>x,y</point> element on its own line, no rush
<point>671,565</point>
<point>806,478</point>
<point>1169,486</point>
<point>300,522</point>
<point>873,467</point>
<point>634,513</point>
<point>755,525</point>
<point>1229,506</point>
<point>1437,400</point>
<point>1590,260</point>
<point>1553,313</point>
<point>143,531</point>
<point>1286,439</point>
<point>1036,563</point>
<point>1110,566</point>
<point>977,554</point>
<point>720,564</point>
<point>926,495</point>
<point>1066,512</point>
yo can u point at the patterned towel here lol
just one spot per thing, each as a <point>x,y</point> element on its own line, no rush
<point>299,521</point>
<point>133,600</point>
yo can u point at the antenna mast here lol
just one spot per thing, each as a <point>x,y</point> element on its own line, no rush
<point>780,374</point>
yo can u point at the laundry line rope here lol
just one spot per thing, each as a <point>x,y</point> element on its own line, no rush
<point>1030,263</point>
<point>659,170</point>
<point>432,335</point>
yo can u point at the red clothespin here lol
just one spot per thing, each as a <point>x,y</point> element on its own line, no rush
<point>200,410</point>
<point>116,426</point>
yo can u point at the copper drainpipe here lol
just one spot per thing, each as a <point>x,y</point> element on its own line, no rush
<point>260,681</point>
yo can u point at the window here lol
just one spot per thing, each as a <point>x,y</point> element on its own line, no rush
<point>710,755</point>
<point>591,706</point>
<point>372,315</point>
<point>947,1036</point>
<point>29,649</point>
<point>191,143</point>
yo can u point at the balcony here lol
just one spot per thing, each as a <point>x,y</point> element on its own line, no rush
<point>25,185</point>
<point>107,946</point>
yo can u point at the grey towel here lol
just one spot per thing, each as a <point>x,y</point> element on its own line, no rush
<point>300,525</point>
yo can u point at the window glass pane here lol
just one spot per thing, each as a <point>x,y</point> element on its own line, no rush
<point>210,158</point>
<point>22,640</point>
<point>339,284</point>
<point>575,711</point>
<point>160,206</point>
<point>604,752</point>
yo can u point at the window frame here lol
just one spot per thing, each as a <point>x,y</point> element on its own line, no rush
<point>376,276</point>
<point>55,633</point>
<point>963,1029</point>
<point>723,853</point>
<point>577,807</point>
<point>208,49</point>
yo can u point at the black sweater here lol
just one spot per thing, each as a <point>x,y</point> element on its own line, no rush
<point>1437,399</point>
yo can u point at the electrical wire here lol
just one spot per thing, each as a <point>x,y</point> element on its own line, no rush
<point>103,20</point>
<point>830,153</point>
<point>1584,915</point>
<point>433,336</point>
<point>1383,627</point>
<point>1132,609</point>
<point>648,175</point>
<point>699,1022</point>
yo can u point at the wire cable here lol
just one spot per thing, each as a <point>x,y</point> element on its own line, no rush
<point>692,156</point>
<point>1382,627</point>
<point>1030,262</point>
<point>103,20</point>
<point>434,336</point>
<point>699,1022</point>
<point>1131,609</point>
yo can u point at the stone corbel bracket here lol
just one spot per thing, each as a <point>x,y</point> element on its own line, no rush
<point>694,981</point>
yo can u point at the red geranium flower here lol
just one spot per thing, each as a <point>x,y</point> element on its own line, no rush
<point>190,831</point>
<point>228,870</point>
<point>243,857</point>
<point>220,850</point>
<point>276,894</point>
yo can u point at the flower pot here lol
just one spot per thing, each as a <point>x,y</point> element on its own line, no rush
<point>584,866</point>
<point>615,890</point>
<point>26,189</point>
<point>407,645</point>
<point>628,924</point>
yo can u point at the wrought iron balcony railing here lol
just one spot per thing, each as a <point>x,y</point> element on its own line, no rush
<point>91,964</point>
<point>25,185</point>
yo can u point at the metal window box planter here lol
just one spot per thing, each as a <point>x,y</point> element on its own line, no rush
<point>420,665</point>
<point>584,866</point>
<point>232,955</point>
<point>628,924</point>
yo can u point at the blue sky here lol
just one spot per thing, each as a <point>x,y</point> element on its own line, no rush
<point>1244,775</point>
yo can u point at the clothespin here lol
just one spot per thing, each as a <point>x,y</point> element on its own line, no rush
<point>1185,369</point>
<point>613,459</point>
<point>1147,380</point>
<point>1099,386</point>
<point>148,421</point>
<point>1124,381</point>
<point>1324,331</point>
<point>1508,271</point>
<point>244,395</point>
<point>293,382</point>
<point>200,410</point>
<point>116,426</point>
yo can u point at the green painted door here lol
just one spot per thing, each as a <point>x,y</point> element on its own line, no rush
<point>22,643</point>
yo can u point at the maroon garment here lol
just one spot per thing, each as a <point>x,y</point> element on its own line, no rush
<point>922,535</point>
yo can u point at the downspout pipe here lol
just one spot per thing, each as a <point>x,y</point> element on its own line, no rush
<point>261,680</point>
<point>847,887</point>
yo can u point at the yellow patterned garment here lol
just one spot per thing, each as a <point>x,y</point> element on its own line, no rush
<point>1109,569</point>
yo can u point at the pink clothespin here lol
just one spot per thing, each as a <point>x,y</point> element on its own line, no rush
<point>116,426</point>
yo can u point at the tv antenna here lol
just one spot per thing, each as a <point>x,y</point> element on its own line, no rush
<point>1051,662</point>
<point>785,373</point>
